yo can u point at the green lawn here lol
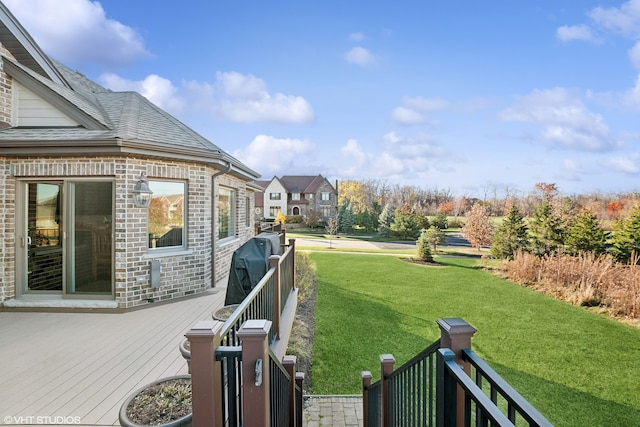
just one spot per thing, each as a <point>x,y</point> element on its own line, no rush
<point>576,367</point>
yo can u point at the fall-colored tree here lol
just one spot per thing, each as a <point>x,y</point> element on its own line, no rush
<point>280,218</point>
<point>445,207</point>
<point>478,228</point>
<point>158,219</point>
<point>549,190</point>
<point>613,209</point>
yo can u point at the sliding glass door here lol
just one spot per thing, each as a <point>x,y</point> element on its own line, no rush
<point>66,246</point>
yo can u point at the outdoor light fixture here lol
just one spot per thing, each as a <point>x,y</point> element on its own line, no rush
<point>142,193</point>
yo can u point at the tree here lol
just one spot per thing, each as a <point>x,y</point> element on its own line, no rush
<point>331,228</point>
<point>445,207</point>
<point>626,237</point>
<point>406,224</point>
<point>510,235</point>
<point>545,230</point>
<point>346,219</point>
<point>613,209</point>
<point>478,228</point>
<point>424,248</point>
<point>585,235</point>
<point>385,220</point>
<point>280,218</point>
<point>435,236</point>
<point>440,221</point>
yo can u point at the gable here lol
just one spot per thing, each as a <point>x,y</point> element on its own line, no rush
<point>30,110</point>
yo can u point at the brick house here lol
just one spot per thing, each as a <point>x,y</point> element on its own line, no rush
<point>72,156</point>
<point>297,195</point>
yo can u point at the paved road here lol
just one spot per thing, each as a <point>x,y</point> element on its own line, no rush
<point>453,239</point>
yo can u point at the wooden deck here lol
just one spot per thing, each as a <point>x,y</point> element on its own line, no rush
<point>81,366</point>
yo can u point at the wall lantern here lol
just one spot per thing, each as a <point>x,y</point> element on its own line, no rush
<point>142,193</point>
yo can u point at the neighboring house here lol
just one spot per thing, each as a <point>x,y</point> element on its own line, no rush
<point>295,195</point>
<point>72,156</point>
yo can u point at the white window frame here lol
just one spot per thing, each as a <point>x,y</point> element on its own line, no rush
<point>162,188</point>
<point>226,198</point>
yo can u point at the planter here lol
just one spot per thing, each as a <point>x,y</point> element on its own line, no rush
<point>185,351</point>
<point>126,421</point>
<point>222,314</point>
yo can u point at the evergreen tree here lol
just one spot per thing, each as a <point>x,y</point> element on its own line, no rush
<point>585,235</point>
<point>441,221</point>
<point>385,220</point>
<point>626,237</point>
<point>510,235</point>
<point>545,230</point>
<point>435,236</point>
<point>406,224</point>
<point>424,248</point>
<point>346,219</point>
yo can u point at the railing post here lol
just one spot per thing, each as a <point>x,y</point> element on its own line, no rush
<point>299,384</point>
<point>292,245</point>
<point>366,383</point>
<point>289,363</point>
<point>206,376</point>
<point>446,391</point>
<point>253,336</point>
<point>386,367</point>
<point>455,334</point>
<point>274,261</point>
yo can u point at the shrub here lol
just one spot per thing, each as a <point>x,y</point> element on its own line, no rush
<point>293,219</point>
<point>424,248</point>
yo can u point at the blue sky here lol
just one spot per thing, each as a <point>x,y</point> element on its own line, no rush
<point>467,96</point>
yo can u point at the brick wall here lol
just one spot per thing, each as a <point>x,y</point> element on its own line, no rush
<point>183,272</point>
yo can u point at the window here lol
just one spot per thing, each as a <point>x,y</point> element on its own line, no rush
<point>309,196</point>
<point>166,214</point>
<point>226,213</point>
<point>273,211</point>
<point>274,196</point>
<point>295,196</point>
<point>325,196</point>
<point>326,211</point>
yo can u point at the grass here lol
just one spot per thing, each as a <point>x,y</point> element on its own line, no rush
<point>577,367</point>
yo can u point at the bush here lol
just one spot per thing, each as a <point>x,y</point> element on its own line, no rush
<point>456,223</point>
<point>293,219</point>
<point>424,248</point>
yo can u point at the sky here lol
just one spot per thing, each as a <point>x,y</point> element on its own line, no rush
<point>460,95</point>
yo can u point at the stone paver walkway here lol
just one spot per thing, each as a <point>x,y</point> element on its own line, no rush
<point>336,411</point>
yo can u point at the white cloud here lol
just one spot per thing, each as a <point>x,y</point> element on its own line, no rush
<point>624,20</point>
<point>634,55</point>
<point>565,121</point>
<point>354,154</point>
<point>407,116</point>
<point>281,154</point>
<point>426,104</point>
<point>412,110</point>
<point>629,164</point>
<point>156,89</point>
<point>232,96</point>
<point>568,33</point>
<point>78,31</point>
<point>360,56</point>
<point>356,37</point>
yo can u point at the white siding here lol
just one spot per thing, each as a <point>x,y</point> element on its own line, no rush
<point>275,187</point>
<point>31,110</point>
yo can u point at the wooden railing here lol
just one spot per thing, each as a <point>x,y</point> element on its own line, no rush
<point>436,388</point>
<point>233,366</point>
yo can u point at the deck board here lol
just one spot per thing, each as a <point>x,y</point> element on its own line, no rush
<point>85,364</point>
